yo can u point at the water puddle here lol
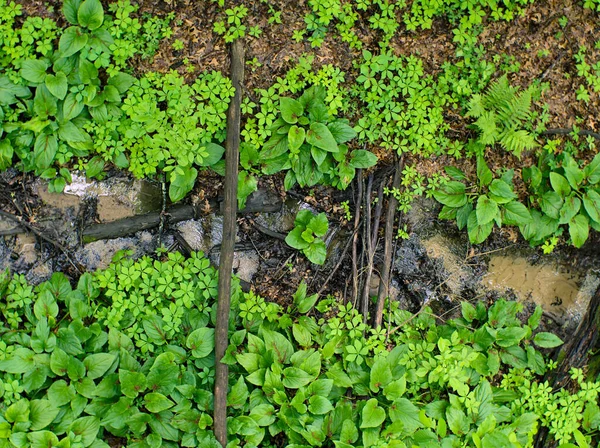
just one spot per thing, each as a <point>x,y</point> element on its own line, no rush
<point>556,288</point>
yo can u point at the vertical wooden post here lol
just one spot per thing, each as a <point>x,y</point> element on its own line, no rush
<point>229,230</point>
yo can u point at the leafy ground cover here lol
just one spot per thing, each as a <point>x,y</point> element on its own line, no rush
<point>491,106</point>
<point>128,355</point>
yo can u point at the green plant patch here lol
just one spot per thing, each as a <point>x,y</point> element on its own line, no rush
<point>307,235</point>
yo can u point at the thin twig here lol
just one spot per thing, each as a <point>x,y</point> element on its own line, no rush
<point>39,234</point>
<point>338,264</point>
<point>357,207</point>
<point>368,250</point>
<point>567,131</point>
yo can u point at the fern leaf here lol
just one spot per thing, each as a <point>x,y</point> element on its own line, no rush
<point>517,141</point>
<point>518,109</point>
<point>489,130</point>
<point>499,94</point>
<point>476,108</point>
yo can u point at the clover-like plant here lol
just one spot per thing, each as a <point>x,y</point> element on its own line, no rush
<point>308,234</point>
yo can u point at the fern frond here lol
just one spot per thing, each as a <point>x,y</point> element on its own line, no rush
<point>489,130</point>
<point>518,109</point>
<point>476,108</point>
<point>499,94</point>
<point>517,141</point>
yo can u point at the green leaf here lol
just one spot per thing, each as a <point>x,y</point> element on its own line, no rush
<point>296,136</point>
<point>341,131</point>
<point>551,203</point>
<point>361,158</point>
<point>574,175</point>
<point>560,184</point>
<point>579,230</point>
<point>34,70</point>
<point>484,174</point>
<point>57,85</point>
<point>372,415</point>
<point>395,389</point>
<point>59,362</point>
<point>455,173</point>
<point>73,39</point>
<point>42,439</point>
<point>44,104</point>
<point>515,214</point>
<point>506,337</point>
<point>132,383</point>
<point>591,203</point>
<point>69,9</point>
<point>294,239</point>
<point>319,405</point>
<point>295,378</point>
<point>451,194</point>
<point>381,374</point>
<point>238,394</point>
<point>247,184</point>
<point>316,252</point>
<point>468,311</point>
<point>319,225</point>
<point>404,411</point>
<point>457,421</point>
<point>570,208</point>
<point>87,71</point>
<point>501,191</point>
<point>487,210</point>
<point>41,414</point>
<point>318,155</point>
<point>320,136</point>
<point>592,170</point>
<point>97,364</point>
<point>462,215</point>
<point>547,340</point>
<point>87,428</point>
<point>44,150</point>
<point>156,402</point>
<point>121,81</point>
<point>478,233</point>
<point>71,107</point>
<point>94,167</point>
<point>59,393</point>
<point>9,91</point>
<point>182,182</point>
<point>213,154</point>
<point>75,137</point>
<point>6,154</point>
<point>201,341</point>
<point>90,14</point>
<point>291,110</point>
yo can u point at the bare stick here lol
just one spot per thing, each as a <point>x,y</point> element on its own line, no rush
<point>368,250</point>
<point>384,285</point>
<point>227,245</point>
<point>339,262</point>
<point>357,206</point>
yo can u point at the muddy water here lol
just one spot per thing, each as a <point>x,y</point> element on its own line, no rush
<point>556,288</point>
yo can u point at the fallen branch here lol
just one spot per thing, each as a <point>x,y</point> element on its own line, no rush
<point>227,245</point>
<point>567,131</point>
<point>39,234</point>
<point>357,207</point>
<point>384,285</point>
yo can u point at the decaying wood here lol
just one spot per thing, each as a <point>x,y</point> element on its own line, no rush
<point>369,251</point>
<point>259,202</point>
<point>357,206</point>
<point>227,245</point>
<point>386,267</point>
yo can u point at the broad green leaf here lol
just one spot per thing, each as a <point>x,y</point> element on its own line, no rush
<point>381,374</point>
<point>457,421</point>
<point>484,174</point>
<point>57,85</point>
<point>535,318</point>
<point>496,439</point>
<point>295,378</point>
<point>237,396</point>
<point>44,150</point>
<point>201,341</point>
<point>547,340</point>
<point>316,252</point>
<point>59,362</point>
<point>90,14</point>
<point>296,136</point>
<point>510,336</point>
<point>94,167</point>
<point>319,225</point>
<point>71,107</point>
<point>404,411</point>
<point>487,210</point>
<point>560,184</point>
<point>341,131</point>
<point>87,428</point>
<point>97,364</point>
<point>132,383</point>
<point>306,303</point>
<point>182,182</point>
<point>319,405</point>
<point>320,136</point>
<point>87,71</point>
<point>574,175</point>
<point>34,70</point>
<point>515,214</point>
<point>69,9</point>
<point>6,154</point>
<point>372,414</point>
<point>294,239</point>
<point>395,389</point>
<point>447,213</point>
<point>291,110</point>
<point>211,154</point>
<point>551,203</point>
<point>60,393</point>
<point>579,230</point>
<point>361,158</point>
<point>591,202</point>
<point>41,439</point>
<point>468,311</point>
<point>9,91</point>
<point>349,433</point>
<point>478,233</point>
<point>44,104</point>
<point>263,414</point>
<point>73,39</point>
<point>501,191</point>
<point>121,81</point>
<point>280,345</point>
<point>592,170</point>
<point>75,136</point>
<point>156,402</point>
<point>41,414</point>
<point>455,173</point>
<point>462,215</point>
<point>318,155</point>
<point>570,208</point>
<point>451,194</point>
<point>247,184</point>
